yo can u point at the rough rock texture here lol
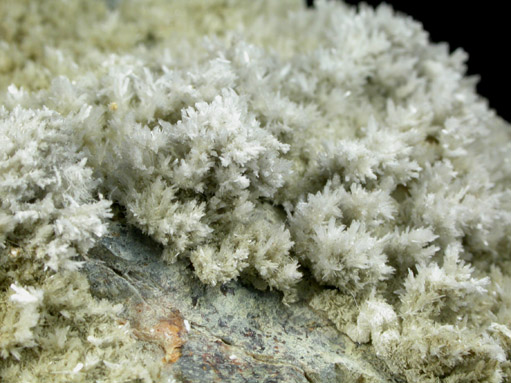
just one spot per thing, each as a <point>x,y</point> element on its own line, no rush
<point>236,333</point>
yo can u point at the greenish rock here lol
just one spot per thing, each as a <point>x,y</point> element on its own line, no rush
<point>233,332</point>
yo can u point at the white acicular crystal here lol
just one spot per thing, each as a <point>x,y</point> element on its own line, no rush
<point>337,144</point>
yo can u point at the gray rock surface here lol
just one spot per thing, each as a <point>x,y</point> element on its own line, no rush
<point>233,332</point>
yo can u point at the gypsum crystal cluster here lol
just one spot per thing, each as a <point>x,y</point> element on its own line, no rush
<point>262,141</point>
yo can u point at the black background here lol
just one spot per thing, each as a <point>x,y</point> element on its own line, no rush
<point>481,28</point>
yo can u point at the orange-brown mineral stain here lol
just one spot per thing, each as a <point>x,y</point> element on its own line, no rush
<point>169,336</point>
<point>166,329</point>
